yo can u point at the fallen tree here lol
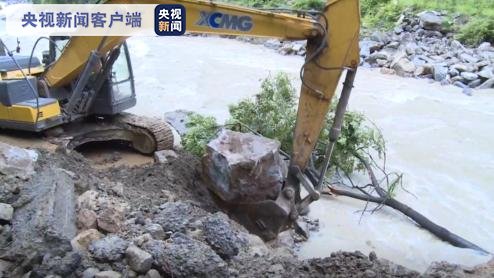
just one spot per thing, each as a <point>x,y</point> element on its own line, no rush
<point>384,198</point>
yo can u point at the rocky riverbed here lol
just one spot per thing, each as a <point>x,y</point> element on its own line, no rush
<point>419,46</point>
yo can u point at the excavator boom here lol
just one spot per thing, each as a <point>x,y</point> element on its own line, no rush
<point>332,46</point>
<point>82,81</point>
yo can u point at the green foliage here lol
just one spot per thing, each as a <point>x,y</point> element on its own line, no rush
<point>317,5</point>
<point>370,7</point>
<point>259,4</point>
<point>478,30</point>
<point>381,14</point>
<point>201,130</point>
<point>272,113</point>
<point>356,136</point>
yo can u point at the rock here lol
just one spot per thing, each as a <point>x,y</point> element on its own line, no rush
<point>178,119</point>
<point>469,76</point>
<point>6,213</point>
<point>220,235</point>
<point>62,266</point>
<point>368,46</point>
<point>381,62</point>
<point>380,37</point>
<point>444,269</point>
<point>486,72</point>
<point>90,272</point>
<point>164,156</point>
<point>453,72</point>
<point>110,219</point>
<point>394,45</point>
<point>463,67</point>
<point>243,167</point>
<point>5,268</point>
<point>273,43</point>
<point>430,20</point>
<point>17,162</point>
<point>84,239</point>
<point>466,90</point>
<point>398,30</point>
<point>140,240</point>
<point>153,273</point>
<point>286,48</point>
<point>183,256</point>
<point>475,83</point>
<point>175,216</point>
<point>404,67</point>
<point>107,274</point>
<point>387,71</point>
<point>156,231</point>
<point>468,58</point>
<point>108,249</point>
<point>440,73</point>
<point>485,46</point>
<point>86,219</point>
<point>298,46</point>
<point>457,45</point>
<point>385,54</point>
<point>487,84</point>
<point>139,260</point>
<point>47,221</point>
<point>88,200</point>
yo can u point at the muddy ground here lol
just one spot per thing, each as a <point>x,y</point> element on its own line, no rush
<point>151,220</point>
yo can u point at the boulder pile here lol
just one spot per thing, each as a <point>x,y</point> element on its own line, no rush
<point>421,45</point>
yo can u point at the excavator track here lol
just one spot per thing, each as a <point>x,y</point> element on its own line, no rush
<point>144,134</point>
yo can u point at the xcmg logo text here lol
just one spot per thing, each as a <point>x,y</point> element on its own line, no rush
<point>219,20</point>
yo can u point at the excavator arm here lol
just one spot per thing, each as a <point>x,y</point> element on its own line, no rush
<point>332,48</point>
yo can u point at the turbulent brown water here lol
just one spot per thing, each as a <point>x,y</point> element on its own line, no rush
<point>439,138</point>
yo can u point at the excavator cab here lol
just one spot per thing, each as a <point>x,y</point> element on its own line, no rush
<point>118,92</point>
<point>114,89</point>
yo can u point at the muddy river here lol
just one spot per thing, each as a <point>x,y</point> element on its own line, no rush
<point>441,139</point>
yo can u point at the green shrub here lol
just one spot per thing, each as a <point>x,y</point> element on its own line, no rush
<point>272,113</point>
<point>356,135</point>
<point>201,130</point>
<point>383,16</point>
<point>370,7</point>
<point>317,5</point>
<point>259,4</point>
<point>478,30</point>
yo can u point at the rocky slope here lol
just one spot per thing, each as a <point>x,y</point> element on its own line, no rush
<point>61,218</point>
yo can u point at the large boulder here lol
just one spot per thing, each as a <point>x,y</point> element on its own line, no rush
<point>220,235</point>
<point>440,73</point>
<point>182,256</point>
<point>430,20</point>
<point>241,167</point>
<point>17,162</point>
<point>404,67</point>
<point>45,218</point>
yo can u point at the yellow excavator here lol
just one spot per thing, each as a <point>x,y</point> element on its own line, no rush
<point>84,84</point>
